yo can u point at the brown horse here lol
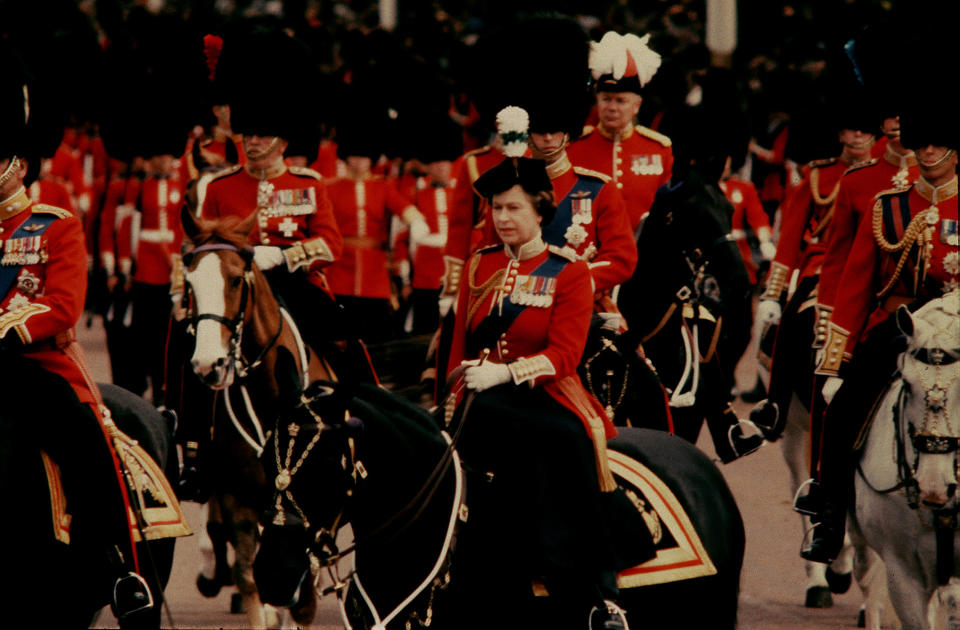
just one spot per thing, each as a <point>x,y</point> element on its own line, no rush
<point>239,325</point>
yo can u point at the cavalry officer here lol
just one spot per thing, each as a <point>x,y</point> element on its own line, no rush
<point>362,203</point>
<point>521,326</point>
<point>423,271</point>
<point>904,253</point>
<point>148,241</point>
<point>638,160</point>
<point>42,290</point>
<point>805,218</point>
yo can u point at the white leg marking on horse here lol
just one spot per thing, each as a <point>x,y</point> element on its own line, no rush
<point>208,284</point>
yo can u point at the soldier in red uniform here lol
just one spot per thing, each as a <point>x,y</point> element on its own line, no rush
<point>362,204</point>
<point>521,326</point>
<point>638,160</point>
<point>800,249</point>
<point>423,271</point>
<point>151,235</point>
<point>42,290</point>
<point>904,253</point>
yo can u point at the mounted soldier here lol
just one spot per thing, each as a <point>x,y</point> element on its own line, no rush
<point>904,253</point>
<point>43,280</point>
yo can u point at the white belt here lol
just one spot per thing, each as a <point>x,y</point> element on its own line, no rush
<point>156,236</point>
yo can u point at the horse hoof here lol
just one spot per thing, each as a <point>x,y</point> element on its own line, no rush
<point>862,618</point>
<point>839,582</point>
<point>236,604</point>
<point>207,587</point>
<point>819,597</point>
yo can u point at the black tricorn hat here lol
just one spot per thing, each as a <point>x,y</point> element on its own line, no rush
<point>529,173</point>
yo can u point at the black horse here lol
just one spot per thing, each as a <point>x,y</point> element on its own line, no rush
<point>380,464</point>
<point>48,582</point>
<point>688,303</point>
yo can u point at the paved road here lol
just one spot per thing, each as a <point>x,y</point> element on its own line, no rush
<point>772,585</point>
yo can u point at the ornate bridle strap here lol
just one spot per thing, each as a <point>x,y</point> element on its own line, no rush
<point>935,444</point>
<point>247,254</point>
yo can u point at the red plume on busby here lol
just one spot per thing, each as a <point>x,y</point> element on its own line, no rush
<point>212,45</point>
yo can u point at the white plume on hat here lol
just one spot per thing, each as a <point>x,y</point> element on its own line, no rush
<point>612,56</point>
<point>512,126</point>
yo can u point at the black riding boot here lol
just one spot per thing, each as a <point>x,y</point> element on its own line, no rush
<point>729,439</point>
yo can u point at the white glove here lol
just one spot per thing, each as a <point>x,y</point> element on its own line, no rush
<point>419,230</point>
<point>436,239</point>
<point>445,303</point>
<point>830,388</point>
<point>768,314</point>
<point>480,377</point>
<point>268,256</point>
<point>768,250</point>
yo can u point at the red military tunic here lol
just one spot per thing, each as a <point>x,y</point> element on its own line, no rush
<point>426,259</point>
<point>858,188</point>
<point>747,210</point>
<point>51,192</point>
<point>805,217</point>
<point>295,212</point>
<point>638,162</point>
<point>361,208</point>
<point>118,204</point>
<point>45,299</point>
<point>155,242</point>
<point>914,229</point>
<point>326,162</point>
<point>544,343</point>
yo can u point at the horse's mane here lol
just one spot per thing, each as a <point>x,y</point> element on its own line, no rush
<point>224,230</point>
<point>936,323</point>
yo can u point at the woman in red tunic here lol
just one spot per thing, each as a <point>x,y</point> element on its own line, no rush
<point>540,438</point>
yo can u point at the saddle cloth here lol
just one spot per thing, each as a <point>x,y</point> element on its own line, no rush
<point>680,552</point>
<point>160,513</point>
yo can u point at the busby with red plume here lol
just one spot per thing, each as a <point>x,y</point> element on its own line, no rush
<point>623,63</point>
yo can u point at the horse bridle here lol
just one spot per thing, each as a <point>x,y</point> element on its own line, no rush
<point>235,325</point>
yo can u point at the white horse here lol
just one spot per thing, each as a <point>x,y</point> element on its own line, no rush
<point>856,558</point>
<point>907,480</point>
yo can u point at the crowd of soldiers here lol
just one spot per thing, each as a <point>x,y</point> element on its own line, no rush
<point>360,148</point>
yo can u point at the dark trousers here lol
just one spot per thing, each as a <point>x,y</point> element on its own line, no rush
<point>793,353</point>
<point>151,321</point>
<point>873,366</point>
<point>426,316</point>
<point>369,318</point>
<point>122,343</point>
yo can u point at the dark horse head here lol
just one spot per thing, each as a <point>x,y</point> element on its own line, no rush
<point>359,457</point>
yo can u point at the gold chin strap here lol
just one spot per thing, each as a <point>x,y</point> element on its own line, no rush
<point>270,147</point>
<point>8,172</point>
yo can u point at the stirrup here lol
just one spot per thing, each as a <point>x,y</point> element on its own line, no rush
<point>803,503</point>
<point>131,595</point>
<point>765,415</point>
<point>742,444</point>
<point>612,617</point>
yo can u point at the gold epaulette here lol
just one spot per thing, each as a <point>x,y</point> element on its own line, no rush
<point>43,208</point>
<point>656,136</point>
<point>579,170</point>
<point>564,252</point>
<point>587,130</point>
<point>821,163</point>
<point>303,171</point>
<point>229,170</point>
<point>857,167</point>
<point>477,151</point>
<point>470,160</point>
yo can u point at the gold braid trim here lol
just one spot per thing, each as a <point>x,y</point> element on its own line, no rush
<point>573,389</point>
<point>910,236</point>
<point>479,293</point>
<point>815,189</point>
<point>776,281</point>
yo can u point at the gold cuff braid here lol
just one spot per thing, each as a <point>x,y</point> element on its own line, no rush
<point>820,326</point>
<point>776,281</point>
<point>530,368</point>
<point>833,351</point>
<point>304,253</point>
<point>452,272</point>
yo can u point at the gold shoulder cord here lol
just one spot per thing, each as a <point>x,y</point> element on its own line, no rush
<point>830,200</point>
<point>479,293</point>
<point>910,236</point>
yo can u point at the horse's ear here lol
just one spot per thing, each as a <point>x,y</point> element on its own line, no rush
<point>287,375</point>
<point>904,320</point>
<point>248,224</point>
<point>190,226</point>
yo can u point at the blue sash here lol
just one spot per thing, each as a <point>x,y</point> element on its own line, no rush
<point>38,224</point>
<point>499,321</point>
<point>555,233</point>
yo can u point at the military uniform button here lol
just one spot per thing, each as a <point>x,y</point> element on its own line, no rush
<point>619,184</point>
<point>619,173</point>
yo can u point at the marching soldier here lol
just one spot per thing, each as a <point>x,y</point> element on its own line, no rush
<point>42,294</point>
<point>638,160</point>
<point>800,249</point>
<point>905,253</point>
<point>362,204</point>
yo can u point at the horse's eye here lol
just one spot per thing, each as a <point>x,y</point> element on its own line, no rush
<point>235,283</point>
